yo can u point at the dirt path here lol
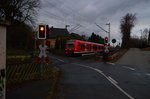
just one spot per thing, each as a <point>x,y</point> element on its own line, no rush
<point>135,57</point>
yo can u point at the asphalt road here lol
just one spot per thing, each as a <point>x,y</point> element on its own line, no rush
<point>136,57</point>
<point>94,80</point>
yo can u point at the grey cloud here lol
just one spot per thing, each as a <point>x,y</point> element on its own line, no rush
<point>87,12</point>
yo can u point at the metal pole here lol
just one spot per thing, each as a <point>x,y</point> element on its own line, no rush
<point>108,31</point>
<point>34,54</point>
<point>42,59</point>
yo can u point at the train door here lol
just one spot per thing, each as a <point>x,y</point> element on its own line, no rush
<point>89,47</point>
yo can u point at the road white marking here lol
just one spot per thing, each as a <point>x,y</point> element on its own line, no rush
<point>58,59</point>
<point>84,66</point>
<point>128,67</point>
<point>112,80</point>
<point>147,74</point>
<point>108,78</point>
<point>98,70</point>
<point>111,63</point>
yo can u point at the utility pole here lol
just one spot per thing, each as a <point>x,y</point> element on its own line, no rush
<point>67,26</point>
<point>105,30</point>
<point>108,31</point>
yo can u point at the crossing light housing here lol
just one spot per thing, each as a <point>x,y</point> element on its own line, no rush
<point>106,39</point>
<point>42,32</point>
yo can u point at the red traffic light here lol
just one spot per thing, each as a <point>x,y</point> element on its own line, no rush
<point>42,32</point>
<point>106,39</point>
<point>42,28</point>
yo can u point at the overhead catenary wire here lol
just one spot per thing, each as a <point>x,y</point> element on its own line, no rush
<point>101,28</point>
<point>73,17</point>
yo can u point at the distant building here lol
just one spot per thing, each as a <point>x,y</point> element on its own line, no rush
<point>55,33</point>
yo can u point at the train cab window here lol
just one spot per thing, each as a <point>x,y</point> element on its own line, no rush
<point>79,46</point>
<point>70,46</point>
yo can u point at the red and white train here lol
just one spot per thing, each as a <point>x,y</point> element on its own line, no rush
<point>81,47</point>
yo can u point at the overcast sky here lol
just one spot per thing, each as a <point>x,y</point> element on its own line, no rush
<point>83,14</point>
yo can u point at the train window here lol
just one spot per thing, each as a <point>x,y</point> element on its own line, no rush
<point>103,47</point>
<point>82,47</point>
<point>94,47</point>
<point>86,47</point>
<point>89,47</point>
<point>70,46</point>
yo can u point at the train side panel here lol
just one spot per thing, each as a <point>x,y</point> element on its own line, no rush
<point>79,47</point>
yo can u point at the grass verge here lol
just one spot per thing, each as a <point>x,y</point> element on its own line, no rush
<point>55,89</point>
<point>118,55</point>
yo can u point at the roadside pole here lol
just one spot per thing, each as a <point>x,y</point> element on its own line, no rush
<point>108,31</point>
<point>42,45</point>
<point>105,30</point>
<point>42,58</point>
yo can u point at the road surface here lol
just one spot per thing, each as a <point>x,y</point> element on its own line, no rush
<point>136,57</point>
<point>94,80</point>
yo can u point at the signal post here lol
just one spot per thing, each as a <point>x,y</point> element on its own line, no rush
<point>42,45</point>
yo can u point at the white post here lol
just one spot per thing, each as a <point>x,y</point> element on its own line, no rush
<point>3,58</point>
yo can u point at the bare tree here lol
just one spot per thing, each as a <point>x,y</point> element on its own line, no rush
<point>18,10</point>
<point>149,38</point>
<point>145,34</point>
<point>126,24</point>
<point>20,13</point>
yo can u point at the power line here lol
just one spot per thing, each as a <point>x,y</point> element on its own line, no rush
<point>101,28</point>
<point>65,10</point>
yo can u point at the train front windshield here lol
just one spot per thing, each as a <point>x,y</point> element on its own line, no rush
<point>70,46</point>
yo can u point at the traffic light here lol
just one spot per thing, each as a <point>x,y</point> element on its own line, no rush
<point>106,39</point>
<point>42,32</point>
